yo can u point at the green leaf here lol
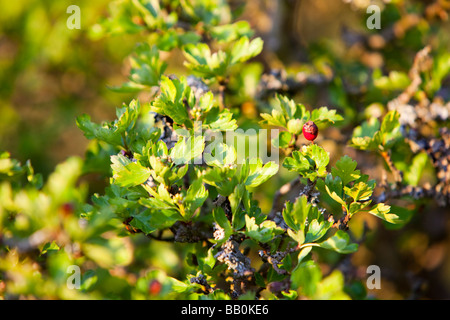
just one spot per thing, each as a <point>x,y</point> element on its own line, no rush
<point>391,214</point>
<point>236,197</point>
<point>275,119</point>
<point>49,247</point>
<point>414,173</point>
<point>217,119</point>
<point>291,295</point>
<point>166,207</point>
<point>371,136</point>
<point>332,288</point>
<point>153,16</point>
<point>298,236</point>
<point>310,162</point>
<point>259,280</point>
<point>323,115</point>
<point>208,12</point>
<point>187,149</point>
<point>223,179</point>
<point>221,155</point>
<point>317,229</point>
<point>320,157</point>
<point>206,102</point>
<point>146,69</point>
<point>345,169</point>
<point>306,277</point>
<point>178,286</point>
<point>127,173</point>
<point>259,174</point>
<point>295,214</point>
<point>34,179</point>
<point>222,220</point>
<point>149,221</point>
<point>9,167</point>
<point>243,49</point>
<point>295,126</point>
<point>171,100</point>
<point>127,116</point>
<point>170,39</point>
<point>119,22</point>
<point>263,232</point>
<point>163,193</point>
<point>290,109</point>
<point>355,207</point>
<point>95,131</point>
<point>302,254</point>
<point>203,63</point>
<point>205,260</point>
<point>334,188</point>
<point>360,191</point>
<point>390,129</point>
<point>441,68</point>
<point>231,32</point>
<point>339,242</point>
<point>283,140</point>
<point>195,197</point>
<point>390,121</point>
<point>366,136</point>
<point>394,81</point>
<point>298,162</point>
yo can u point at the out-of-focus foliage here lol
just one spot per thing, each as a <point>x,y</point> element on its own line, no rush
<point>154,210</point>
<point>49,74</point>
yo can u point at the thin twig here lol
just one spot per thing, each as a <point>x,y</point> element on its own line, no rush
<point>398,176</point>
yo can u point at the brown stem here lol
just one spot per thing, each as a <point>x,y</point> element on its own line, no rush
<point>342,223</point>
<point>416,193</point>
<point>397,173</point>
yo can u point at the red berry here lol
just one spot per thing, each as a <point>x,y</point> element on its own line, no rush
<point>310,131</point>
<point>154,287</point>
<point>67,208</point>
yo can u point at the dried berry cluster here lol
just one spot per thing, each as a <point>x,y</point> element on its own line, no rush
<point>416,116</point>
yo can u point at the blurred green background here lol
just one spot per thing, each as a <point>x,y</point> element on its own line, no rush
<point>50,74</point>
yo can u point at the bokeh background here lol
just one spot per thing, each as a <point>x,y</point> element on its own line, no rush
<point>49,75</point>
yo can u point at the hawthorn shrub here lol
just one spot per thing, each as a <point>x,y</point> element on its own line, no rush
<point>180,216</point>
